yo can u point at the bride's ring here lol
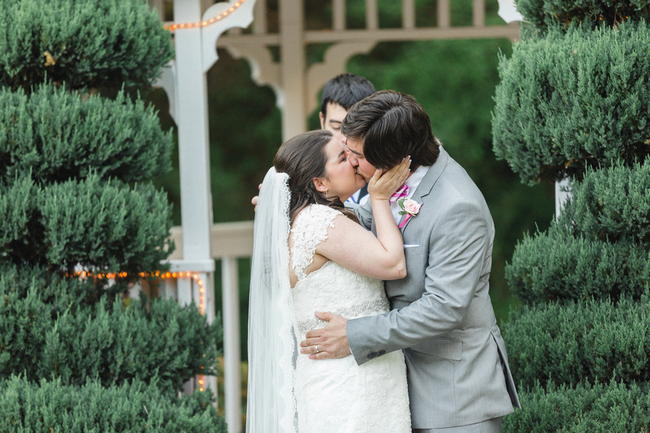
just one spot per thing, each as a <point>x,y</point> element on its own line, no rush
<point>317,349</point>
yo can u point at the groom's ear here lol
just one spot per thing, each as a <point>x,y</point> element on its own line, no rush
<point>320,184</point>
<point>322,119</point>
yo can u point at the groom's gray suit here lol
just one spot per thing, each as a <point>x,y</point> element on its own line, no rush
<point>441,315</point>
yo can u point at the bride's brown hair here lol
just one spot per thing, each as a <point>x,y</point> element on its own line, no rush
<point>303,158</point>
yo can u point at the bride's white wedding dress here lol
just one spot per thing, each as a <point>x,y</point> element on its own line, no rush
<point>338,396</point>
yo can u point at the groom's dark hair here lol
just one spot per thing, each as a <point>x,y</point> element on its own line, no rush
<point>392,125</point>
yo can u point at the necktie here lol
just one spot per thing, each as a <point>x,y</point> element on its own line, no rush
<point>402,191</point>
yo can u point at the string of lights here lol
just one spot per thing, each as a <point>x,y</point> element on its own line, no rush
<point>172,27</point>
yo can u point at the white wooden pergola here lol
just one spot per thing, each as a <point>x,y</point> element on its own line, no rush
<point>296,85</point>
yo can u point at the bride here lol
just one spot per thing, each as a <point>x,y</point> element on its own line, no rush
<point>311,255</point>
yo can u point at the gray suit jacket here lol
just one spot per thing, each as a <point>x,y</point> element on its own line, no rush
<point>441,315</point>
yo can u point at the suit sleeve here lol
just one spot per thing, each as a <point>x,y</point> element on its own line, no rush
<point>458,246</point>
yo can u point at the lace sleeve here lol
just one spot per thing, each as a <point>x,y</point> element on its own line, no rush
<point>309,229</point>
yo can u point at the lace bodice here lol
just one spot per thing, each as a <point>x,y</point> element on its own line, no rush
<point>331,288</point>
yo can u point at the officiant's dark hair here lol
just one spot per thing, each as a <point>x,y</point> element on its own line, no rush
<point>303,158</point>
<point>345,90</point>
<point>392,126</point>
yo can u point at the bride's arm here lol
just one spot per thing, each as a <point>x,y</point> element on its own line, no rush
<point>357,249</point>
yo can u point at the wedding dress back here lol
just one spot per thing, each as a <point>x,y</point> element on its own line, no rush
<point>338,395</point>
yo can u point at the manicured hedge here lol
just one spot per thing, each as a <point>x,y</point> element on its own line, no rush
<point>581,342</point>
<point>574,100</point>
<point>105,225</point>
<point>611,204</point>
<point>555,266</point>
<point>111,343</point>
<point>131,408</point>
<point>545,13</point>
<point>57,135</point>
<point>81,43</point>
<point>613,408</point>
<point>16,211</point>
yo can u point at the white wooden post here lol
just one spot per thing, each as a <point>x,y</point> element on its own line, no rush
<point>191,114</point>
<point>232,353</point>
<point>294,116</point>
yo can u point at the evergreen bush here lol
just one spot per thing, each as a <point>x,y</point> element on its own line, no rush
<point>105,225</point>
<point>573,343</point>
<point>168,344</point>
<point>574,100</point>
<point>16,207</point>
<point>545,13</point>
<point>58,135</point>
<point>612,205</point>
<point>586,409</point>
<point>131,408</point>
<point>555,266</point>
<point>82,44</point>
<point>110,342</point>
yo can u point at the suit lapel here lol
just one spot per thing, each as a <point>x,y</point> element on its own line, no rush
<point>428,181</point>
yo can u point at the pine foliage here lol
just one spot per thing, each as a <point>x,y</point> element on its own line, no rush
<point>59,135</point>
<point>555,266</point>
<point>600,408</point>
<point>50,406</point>
<point>79,355</point>
<point>574,100</point>
<point>592,341</point>
<point>611,205</point>
<point>550,13</point>
<point>82,44</point>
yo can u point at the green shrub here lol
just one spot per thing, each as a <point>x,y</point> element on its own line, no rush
<point>109,342</point>
<point>611,205</point>
<point>24,320</point>
<point>613,408</point>
<point>104,225</point>
<point>131,408</point>
<point>58,135</point>
<point>168,343</point>
<point>545,13</point>
<point>81,43</point>
<point>31,299</point>
<point>573,343</point>
<point>555,266</point>
<point>16,209</point>
<point>569,101</point>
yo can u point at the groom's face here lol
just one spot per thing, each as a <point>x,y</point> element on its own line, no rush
<point>357,159</point>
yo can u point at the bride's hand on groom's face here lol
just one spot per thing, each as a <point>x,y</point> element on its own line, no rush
<point>384,183</point>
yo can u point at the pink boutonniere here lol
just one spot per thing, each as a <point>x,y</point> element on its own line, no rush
<point>410,208</point>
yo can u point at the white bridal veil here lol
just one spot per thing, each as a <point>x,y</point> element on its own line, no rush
<point>271,343</point>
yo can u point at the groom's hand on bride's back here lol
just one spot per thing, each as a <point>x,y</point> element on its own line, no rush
<point>330,342</point>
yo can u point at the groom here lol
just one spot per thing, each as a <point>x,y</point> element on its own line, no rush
<point>442,316</point>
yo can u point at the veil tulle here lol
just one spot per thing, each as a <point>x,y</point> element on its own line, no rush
<point>271,342</point>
